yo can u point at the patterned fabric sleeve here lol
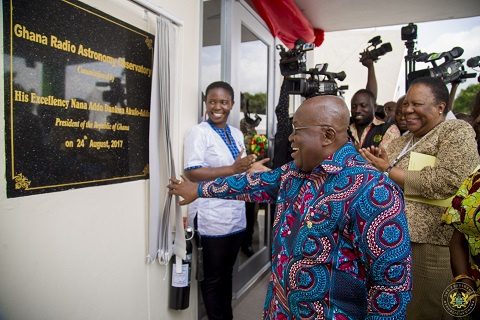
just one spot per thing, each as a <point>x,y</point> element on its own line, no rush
<point>464,215</point>
<point>385,250</point>
<point>256,187</point>
<point>464,212</point>
<point>455,215</point>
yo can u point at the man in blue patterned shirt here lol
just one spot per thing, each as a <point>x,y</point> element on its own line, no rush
<point>341,246</point>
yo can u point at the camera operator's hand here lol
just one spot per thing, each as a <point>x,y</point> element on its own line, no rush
<point>366,61</point>
<point>371,77</point>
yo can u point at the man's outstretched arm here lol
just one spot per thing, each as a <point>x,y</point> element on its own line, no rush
<point>256,187</point>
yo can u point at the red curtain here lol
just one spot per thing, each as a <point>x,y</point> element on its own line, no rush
<point>287,22</point>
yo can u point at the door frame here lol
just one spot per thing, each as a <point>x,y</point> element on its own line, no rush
<point>239,14</point>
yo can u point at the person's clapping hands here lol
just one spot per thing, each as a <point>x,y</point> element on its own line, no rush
<point>357,145</point>
<point>376,156</point>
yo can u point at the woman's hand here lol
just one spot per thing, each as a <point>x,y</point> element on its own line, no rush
<point>243,164</point>
<point>186,189</point>
<point>376,156</point>
<point>357,145</point>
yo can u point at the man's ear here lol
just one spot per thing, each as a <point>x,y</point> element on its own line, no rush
<point>330,135</point>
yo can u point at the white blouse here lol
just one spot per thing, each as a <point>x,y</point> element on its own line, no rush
<point>203,147</point>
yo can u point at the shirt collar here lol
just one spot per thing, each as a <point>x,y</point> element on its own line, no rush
<point>227,129</point>
<point>377,122</point>
<point>337,161</point>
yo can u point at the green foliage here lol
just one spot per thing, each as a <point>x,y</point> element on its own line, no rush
<point>257,102</point>
<point>465,99</point>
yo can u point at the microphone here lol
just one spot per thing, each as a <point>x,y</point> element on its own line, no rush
<point>473,62</point>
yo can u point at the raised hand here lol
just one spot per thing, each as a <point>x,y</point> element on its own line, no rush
<point>243,164</point>
<point>366,61</point>
<point>376,156</point>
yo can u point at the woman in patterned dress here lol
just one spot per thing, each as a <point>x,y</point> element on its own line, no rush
<point>464,216</point>
<point>452,146</point>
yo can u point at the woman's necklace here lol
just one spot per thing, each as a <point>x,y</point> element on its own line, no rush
<point>408,148</point>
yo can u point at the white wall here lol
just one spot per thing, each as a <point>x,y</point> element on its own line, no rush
<point>80,254</point>
<point>341,50</point>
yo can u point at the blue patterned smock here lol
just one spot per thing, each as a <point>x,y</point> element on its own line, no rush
<point>341,246</point>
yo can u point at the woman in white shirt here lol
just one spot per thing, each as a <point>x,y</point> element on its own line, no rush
<point>214,149</point>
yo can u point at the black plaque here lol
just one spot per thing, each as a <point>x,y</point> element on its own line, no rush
<point>77,97</point>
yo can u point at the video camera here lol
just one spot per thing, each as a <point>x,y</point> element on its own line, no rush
<point>293,62</point>
<point>314,86</point>
<point>451,70</point>
<point>116,94</point>
<point>375,53</point>
<point>409,32</point>
<point>474,62</point>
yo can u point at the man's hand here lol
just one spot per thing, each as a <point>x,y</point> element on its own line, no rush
<point>259,166</point>
<point>367,62</point>
<point>186,189</point>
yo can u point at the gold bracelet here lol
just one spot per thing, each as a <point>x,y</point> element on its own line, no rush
<point>463,276</point>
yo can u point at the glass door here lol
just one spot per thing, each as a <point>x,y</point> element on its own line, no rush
<point>237,47</point>
<point>252,58</point>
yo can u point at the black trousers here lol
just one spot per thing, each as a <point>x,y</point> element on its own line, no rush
<point>250,215</point>
<point>219,255</point>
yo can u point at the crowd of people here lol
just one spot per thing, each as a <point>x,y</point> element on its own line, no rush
<point>444,153</point>
<point>374,217</point>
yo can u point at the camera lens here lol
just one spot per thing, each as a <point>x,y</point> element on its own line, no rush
<point>386,47</point>
<point>408,30</point>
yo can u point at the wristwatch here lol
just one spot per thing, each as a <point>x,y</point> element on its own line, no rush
<point>387,171</point>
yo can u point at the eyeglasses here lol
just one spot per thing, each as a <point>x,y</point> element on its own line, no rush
<point>306,127</point>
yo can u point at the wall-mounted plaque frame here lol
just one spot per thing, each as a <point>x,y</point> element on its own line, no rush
<point>77,97</point>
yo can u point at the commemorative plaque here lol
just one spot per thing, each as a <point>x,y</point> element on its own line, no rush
<point>77,97</point>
